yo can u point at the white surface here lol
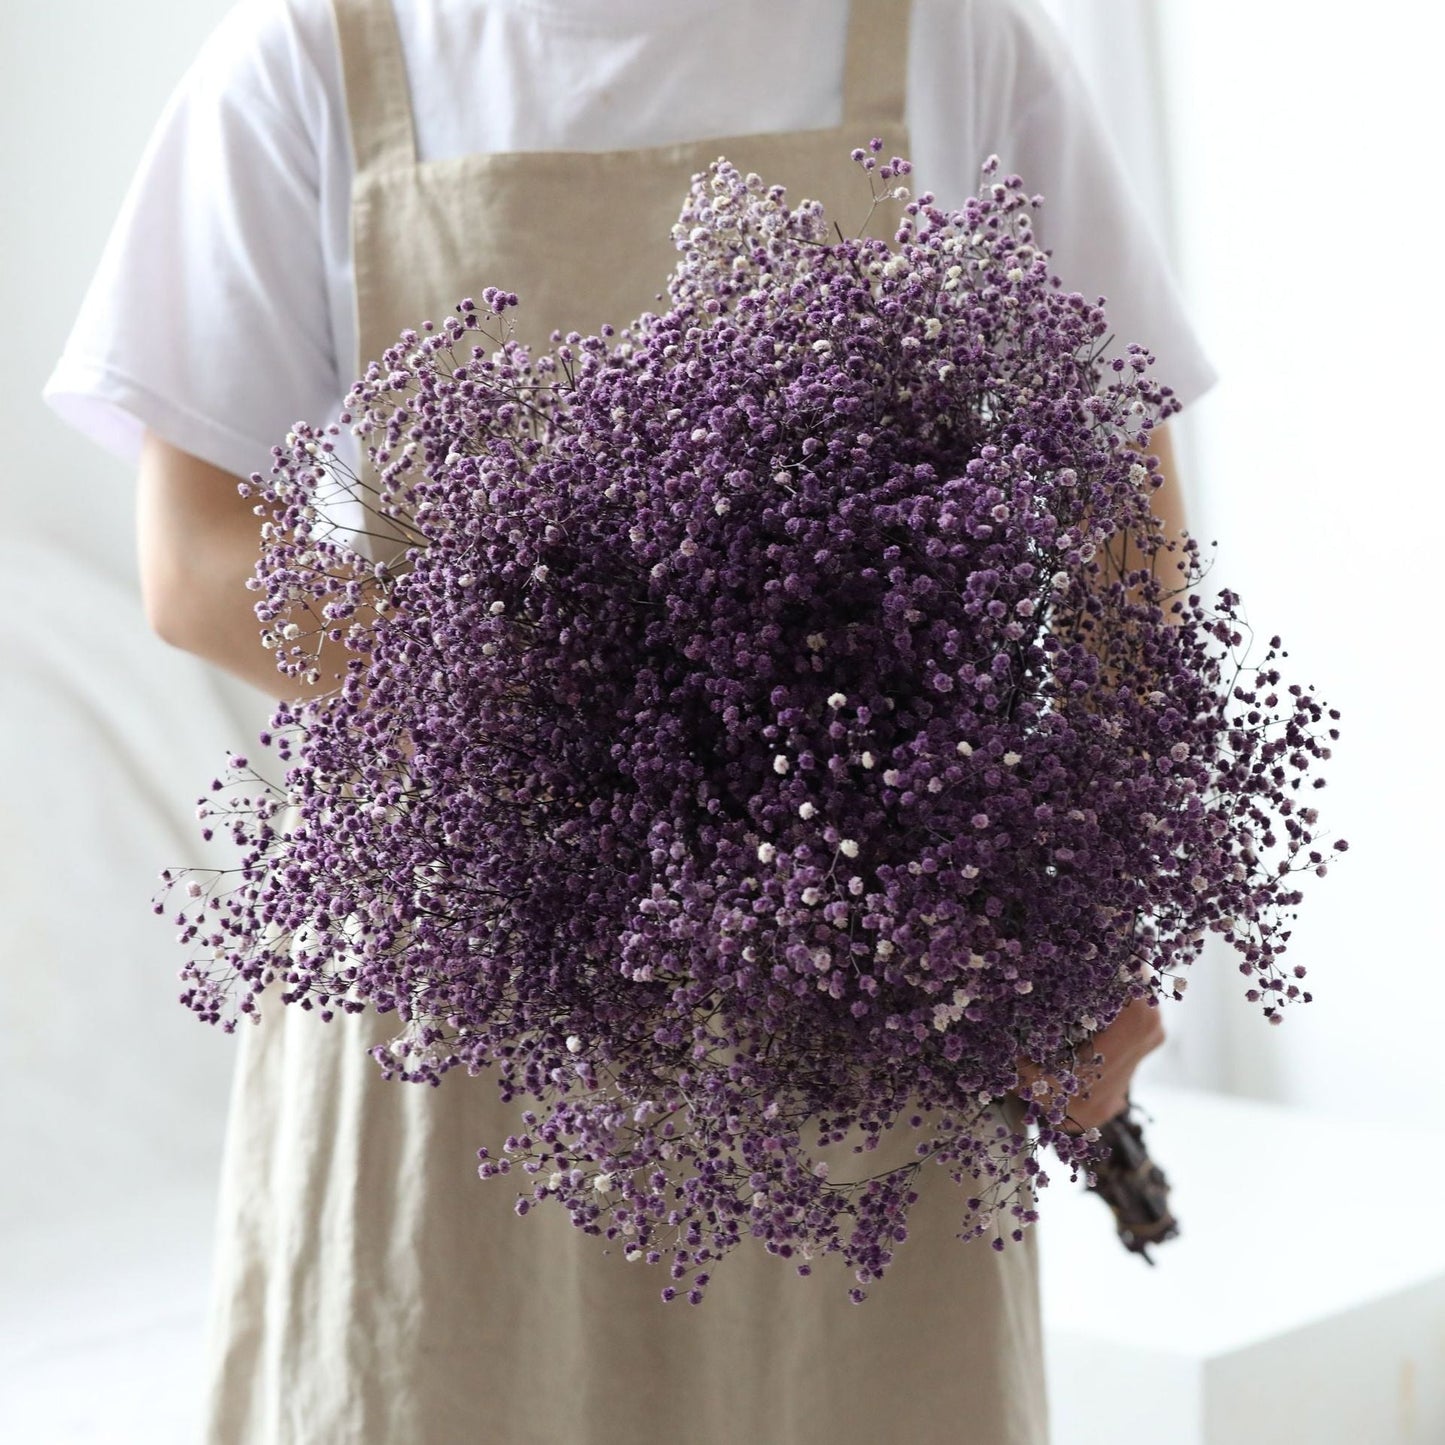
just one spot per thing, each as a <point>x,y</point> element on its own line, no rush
<point>1303,1297</point>
<point>103,1284</point>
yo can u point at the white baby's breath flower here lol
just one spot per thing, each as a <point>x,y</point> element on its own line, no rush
<point>806,810</point>
<point>836,700</point>
<point>848,848</point>
<point>867,760</point>
<point>574,1044</point>
<point>965,749</point>
<point>1012,760</point>
<point>766,852</point>
<point>781,764</point>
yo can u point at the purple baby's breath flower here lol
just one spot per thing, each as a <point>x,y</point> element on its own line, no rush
<point>755,741</point>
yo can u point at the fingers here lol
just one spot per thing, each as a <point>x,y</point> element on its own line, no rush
<point>1104,1064</point>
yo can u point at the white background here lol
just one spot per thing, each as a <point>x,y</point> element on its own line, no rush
<point>1291,157</point>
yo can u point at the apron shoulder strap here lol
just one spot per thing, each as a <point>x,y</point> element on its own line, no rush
<point>875,73</point>
<point>378,100</point>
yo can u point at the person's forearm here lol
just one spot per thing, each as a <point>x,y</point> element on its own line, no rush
<point>199,542</point>
<point>1138,1028</point>
<point>1167,504</point>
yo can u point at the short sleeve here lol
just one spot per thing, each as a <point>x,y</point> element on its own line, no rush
<point>207,319</point>
<point>1028,104</point>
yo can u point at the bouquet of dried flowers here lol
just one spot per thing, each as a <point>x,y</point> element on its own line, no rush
<point>771,727</point>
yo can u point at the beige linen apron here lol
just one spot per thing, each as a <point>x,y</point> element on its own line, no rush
<point>370,1289</point>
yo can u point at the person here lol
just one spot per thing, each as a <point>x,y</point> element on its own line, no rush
<point>328,172</point>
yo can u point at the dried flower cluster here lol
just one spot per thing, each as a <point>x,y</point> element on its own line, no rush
<point>773,730</point>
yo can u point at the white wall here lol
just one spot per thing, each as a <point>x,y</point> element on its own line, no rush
<point>112,1096</point>
<point>1306,140</point>
<point>108,735</point>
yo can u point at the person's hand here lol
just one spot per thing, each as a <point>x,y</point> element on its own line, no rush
<point>1137,1030</point>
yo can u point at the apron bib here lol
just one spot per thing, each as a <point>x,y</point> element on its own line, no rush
<point>369,1288</point>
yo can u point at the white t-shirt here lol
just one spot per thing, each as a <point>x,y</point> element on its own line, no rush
<point>221,312</point>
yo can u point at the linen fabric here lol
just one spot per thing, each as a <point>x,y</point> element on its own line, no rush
<point>368,1287</point>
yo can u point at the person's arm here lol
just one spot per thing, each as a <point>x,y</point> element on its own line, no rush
<point>198,541</point>
<point>1167,504</point>
<point>1139,1027</point>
